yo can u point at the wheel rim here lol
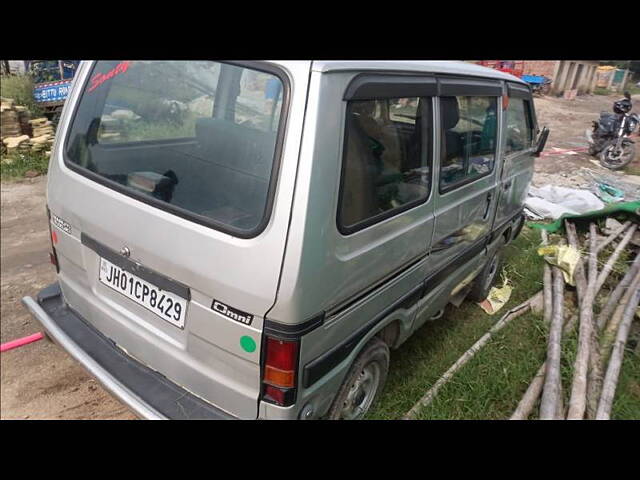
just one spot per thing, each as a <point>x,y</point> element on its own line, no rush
<point>616,157</point>
<point>362,392</point>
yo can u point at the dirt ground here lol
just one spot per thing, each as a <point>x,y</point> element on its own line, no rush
<point>567,121</point>
<point>38,381</point>
<point>41,381</point>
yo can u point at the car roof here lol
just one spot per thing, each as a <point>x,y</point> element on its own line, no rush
<point>431,66</point>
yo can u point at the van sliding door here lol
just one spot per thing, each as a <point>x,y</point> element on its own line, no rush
<point>468,117</point>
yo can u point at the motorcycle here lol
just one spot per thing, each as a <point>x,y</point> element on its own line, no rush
<point>609,136</point>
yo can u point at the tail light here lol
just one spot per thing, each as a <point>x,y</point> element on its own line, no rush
<point>53,256</point>
<point>280,371</point>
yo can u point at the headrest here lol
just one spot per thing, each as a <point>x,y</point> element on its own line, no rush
<point>450,113</point>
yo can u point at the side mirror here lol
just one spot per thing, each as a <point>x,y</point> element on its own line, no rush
<point>542,141</point>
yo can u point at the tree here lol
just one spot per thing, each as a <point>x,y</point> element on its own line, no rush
<point>633,65</point>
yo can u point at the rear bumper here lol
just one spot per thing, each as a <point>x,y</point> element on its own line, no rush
<point>149,394</point>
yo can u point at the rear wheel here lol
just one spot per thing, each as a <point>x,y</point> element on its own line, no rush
<point>363,382</point>
<point>616,159</point>
<point>487,277</point>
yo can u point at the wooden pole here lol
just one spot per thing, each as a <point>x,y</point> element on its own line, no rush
<point>614,235</point>
<point>614,323</point>
<point>594,373</point>
<point>594,376</point>
<point>578,399</point>
<point>525,407</point>
<point>613,371</point>
<point>596,362</point>
<point>550,392</point>
<point>579,274</point>
<point>428,397</point>
<point>606,270</point>
<point>547,284</point>
<point>618,292</point>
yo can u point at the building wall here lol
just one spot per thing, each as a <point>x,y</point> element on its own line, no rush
<point>540,67</point>
<point>16,66</point>
<point>566,75</point>
<point>576,75</point>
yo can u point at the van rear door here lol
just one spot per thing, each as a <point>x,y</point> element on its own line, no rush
<point>174,181</point>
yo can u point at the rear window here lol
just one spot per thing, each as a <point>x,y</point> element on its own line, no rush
<point>197,138</point>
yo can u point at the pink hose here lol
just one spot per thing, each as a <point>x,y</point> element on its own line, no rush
<point>21,341</point>
<point>560,152</point>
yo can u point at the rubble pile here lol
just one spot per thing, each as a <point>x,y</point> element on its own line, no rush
<point>22,134</point>
<point>9,119</point>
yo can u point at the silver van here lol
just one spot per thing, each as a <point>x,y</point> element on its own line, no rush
<point>250,239</point>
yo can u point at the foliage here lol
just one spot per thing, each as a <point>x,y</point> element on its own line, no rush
<point>633,65</point>
<point>15,165</point>
<point>20,89</point>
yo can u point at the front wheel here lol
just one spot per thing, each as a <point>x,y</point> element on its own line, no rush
<point>616,159</point>
<point>363,382</point>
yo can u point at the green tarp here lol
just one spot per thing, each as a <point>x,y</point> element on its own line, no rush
<point>628,210</point>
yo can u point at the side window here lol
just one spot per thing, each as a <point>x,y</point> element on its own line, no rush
<point>387,159</point>
<point>518,126</point>
<point>469,137</point>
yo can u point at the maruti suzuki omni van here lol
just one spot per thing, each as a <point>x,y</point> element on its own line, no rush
<point>250,239</point>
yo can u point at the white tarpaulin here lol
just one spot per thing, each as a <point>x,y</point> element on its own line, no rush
<point>552,201</point>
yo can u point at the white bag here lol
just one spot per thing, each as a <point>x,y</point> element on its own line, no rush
<point>552,201</point>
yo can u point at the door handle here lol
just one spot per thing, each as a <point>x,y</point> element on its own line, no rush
<point>507,184</point>
<point>488,207</point>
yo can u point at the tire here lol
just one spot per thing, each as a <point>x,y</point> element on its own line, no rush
<point>616,163</point>
<point>355,397</point>
<point>593,151</point>
<point>487,277</point>
<point>518,229</point>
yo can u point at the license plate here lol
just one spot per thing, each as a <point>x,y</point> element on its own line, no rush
<point>166,305</point>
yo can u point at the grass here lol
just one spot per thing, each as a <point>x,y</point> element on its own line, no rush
<point>15,165</point>
<point>627,401</point>
<point>491,384</point>
<point>20,89</point>
<point>632,170</point>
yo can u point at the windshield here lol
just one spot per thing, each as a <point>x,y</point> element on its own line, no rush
<point>45,71</point>
<point>195,137</point>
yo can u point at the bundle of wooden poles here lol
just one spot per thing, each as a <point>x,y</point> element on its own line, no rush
<point>607,291</point>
